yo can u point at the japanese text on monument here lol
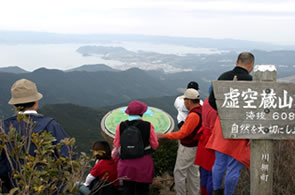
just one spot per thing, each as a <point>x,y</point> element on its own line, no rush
<point>260,108</point>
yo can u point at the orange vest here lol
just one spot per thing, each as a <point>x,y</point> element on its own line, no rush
<point>239,149</point>
<point>205,157</point>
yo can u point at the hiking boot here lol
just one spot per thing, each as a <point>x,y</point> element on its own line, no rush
<point>218,192</point>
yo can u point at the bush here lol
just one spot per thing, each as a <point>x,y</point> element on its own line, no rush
<point>284,167</point>
<point>283,174</point>
<point>165,157</point>
<point>45,172</point>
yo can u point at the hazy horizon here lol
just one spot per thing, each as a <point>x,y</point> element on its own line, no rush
<point>269,21</point>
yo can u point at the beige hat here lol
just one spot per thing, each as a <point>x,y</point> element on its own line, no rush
<point>191,94</point>
<point>24,91</point>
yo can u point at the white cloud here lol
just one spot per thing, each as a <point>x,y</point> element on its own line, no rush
<point>270,20</point>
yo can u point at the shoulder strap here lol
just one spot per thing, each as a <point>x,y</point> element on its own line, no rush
<point>135,124</point>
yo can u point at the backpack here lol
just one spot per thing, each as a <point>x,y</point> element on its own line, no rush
<point>131,142</point>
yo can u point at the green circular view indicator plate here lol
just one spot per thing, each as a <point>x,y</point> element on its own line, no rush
<point>161,120</point>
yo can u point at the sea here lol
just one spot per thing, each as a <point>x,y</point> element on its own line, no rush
<point>64,56</point>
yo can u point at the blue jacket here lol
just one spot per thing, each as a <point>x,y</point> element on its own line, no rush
<point>41,123</point>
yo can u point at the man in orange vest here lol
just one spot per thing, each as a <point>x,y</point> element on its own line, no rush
<point>185,169</point>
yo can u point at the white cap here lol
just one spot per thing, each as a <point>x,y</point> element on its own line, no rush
<point>191,94</point>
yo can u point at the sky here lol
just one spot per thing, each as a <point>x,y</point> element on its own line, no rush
<point>270,21</point>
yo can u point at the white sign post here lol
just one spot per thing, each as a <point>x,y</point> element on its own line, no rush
<point>260,110</point>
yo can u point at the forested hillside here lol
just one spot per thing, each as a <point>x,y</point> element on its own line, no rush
<point>83,123</point>
<point>99,89</point>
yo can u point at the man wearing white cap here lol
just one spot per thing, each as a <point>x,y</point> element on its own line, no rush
<point>25,98</point>
<point>180,107</point>
<point>185,169</point>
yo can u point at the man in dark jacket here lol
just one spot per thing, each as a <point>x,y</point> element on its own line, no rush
<point>25,98</point>
<point>227,160</point>
<point>244,65</point>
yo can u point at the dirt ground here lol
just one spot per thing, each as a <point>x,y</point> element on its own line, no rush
<point>163,185</point>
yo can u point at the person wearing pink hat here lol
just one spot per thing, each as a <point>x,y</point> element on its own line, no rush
<point>137,172</point>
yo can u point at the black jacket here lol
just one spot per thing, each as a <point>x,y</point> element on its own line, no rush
<point>241,73</point>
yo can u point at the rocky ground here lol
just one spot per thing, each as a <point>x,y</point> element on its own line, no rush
<point>163,185</point>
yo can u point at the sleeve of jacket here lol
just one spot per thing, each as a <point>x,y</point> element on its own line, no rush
<point>187,128</point>
<point>59,133</point>
<point>116,141</point>
<point>153,138</point>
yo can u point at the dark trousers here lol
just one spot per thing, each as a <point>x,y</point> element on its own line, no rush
<point>206,181</point>
<point>135,188</point>
<point>6,186</point>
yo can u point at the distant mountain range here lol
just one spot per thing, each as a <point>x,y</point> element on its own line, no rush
<point>91,68</point>
<point>99,85</point>
<point>27,37</point>
<point>13,69</point>
<point>86,68</point>
<point>283,59</point>
<point>100,88</point>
